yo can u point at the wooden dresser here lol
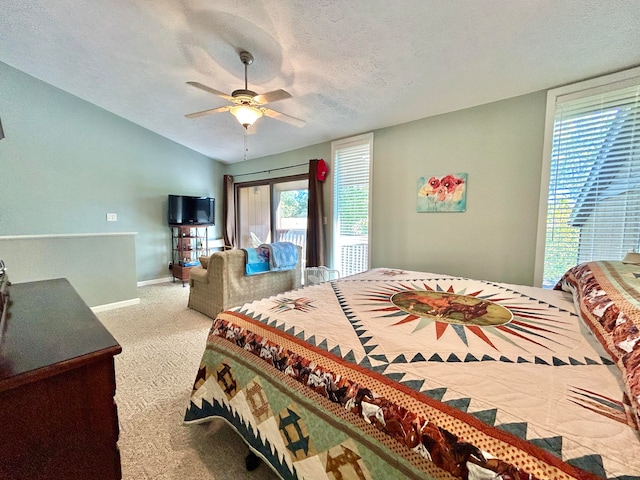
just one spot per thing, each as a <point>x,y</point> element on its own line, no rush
<point>58,418</point>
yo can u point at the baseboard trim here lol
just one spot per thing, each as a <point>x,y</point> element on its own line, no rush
<point>154,281</point>
<point>113,306</point>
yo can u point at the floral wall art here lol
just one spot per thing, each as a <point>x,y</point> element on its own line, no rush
<point>442,193</point>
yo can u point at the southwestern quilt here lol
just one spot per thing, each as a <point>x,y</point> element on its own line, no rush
<point>607,295</point>
<point>402,374</point>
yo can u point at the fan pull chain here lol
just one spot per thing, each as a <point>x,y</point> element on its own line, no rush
<point>244,138</point>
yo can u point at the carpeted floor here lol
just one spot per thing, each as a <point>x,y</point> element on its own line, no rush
<point>162,342</point>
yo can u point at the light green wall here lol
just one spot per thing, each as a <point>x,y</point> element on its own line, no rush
<point>275,162</point>
<point>499,146</point>
<point>98,266</point>
<point>66,163</point>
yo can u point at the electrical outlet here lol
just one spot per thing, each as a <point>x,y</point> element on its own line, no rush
<point>112,217</point>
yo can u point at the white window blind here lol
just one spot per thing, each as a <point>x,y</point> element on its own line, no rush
<point>593,209</point>
<point>351,187</point>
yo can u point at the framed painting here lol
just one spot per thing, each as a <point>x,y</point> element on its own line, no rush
<point>442,193</point>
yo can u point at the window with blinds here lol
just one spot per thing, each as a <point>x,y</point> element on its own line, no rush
<point>351,170</point>
<point>593,207</point>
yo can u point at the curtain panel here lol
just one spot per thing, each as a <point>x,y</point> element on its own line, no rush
<point>228,213</point>
<point>315,230</point>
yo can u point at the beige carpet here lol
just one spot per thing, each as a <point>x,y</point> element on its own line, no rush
<point>162,342</point>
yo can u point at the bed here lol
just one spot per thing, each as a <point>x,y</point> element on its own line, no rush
<point>401,374</point>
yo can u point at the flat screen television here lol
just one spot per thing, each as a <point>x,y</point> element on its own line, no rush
<point>185,210</point>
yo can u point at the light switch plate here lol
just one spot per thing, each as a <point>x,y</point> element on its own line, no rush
<point>112,217</point>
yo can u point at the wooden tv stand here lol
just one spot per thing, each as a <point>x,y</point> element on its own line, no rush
<point>58,418</point>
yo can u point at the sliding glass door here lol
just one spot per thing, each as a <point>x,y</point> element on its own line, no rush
<point>272,210</point>
<point>254,214</point>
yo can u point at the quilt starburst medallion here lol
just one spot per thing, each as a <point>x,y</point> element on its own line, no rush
<point>488,312</point>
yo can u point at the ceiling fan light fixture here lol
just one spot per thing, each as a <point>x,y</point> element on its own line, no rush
<point>247,106</point>
<point>245,114</point>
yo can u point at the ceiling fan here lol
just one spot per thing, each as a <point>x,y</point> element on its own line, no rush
<point>247,106</point>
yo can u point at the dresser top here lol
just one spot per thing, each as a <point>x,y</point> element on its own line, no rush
<point>50,330</point>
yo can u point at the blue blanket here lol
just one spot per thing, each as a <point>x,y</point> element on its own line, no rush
<point>256,260</point>
<point>282,255</point>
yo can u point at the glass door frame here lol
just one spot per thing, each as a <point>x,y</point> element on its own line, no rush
<point>269,182</point>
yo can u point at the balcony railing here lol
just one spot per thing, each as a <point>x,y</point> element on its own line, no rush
<point>354,251</point>
<point>297,237</point>
<point>354,255</point>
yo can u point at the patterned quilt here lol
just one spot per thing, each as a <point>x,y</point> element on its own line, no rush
<point>401,374</point>
<point>607,295</point>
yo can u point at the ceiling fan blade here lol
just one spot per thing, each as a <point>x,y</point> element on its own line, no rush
<point>208,112</point>
<point>211,90</point>
<point>271,97</point>
<point>282,116</point>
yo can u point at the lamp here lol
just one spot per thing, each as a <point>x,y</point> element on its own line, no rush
<point>245,114</point>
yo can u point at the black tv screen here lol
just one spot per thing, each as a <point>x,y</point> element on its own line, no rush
<point>185,210</point>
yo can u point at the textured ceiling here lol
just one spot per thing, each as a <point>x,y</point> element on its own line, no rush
<point>351,66</point>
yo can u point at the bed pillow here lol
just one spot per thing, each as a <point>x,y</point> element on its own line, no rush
<point>607,297</point>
